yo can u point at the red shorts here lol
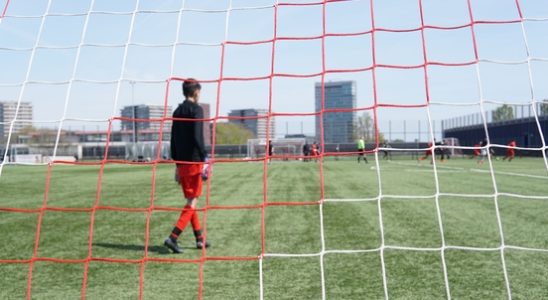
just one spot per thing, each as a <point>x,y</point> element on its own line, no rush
<point>428,152</point>
<point>510,152</point>
<point>190,176</point>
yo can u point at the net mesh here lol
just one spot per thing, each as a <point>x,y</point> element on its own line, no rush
<point>273,74</point>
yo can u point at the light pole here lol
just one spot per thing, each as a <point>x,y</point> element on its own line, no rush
<point>134,129</point>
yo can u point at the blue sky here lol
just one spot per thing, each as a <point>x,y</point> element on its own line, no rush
<point>203,28</point>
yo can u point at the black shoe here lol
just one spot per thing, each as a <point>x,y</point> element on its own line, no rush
<point>200,244</point>
<point>172,245</point>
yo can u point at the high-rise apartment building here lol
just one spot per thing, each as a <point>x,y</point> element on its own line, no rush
<point>7,114</point>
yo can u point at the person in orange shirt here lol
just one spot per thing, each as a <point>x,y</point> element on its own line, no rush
<point>511,151</point>
<point>427,153</point>
<point>477,150</point>
<point>315,151</point>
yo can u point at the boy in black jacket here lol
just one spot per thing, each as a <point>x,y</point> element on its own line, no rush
<point>188,152</point>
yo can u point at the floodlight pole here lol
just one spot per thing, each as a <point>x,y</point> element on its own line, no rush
<point>134,129</point>
<point>419,130</point>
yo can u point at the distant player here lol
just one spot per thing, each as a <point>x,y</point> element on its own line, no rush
<point>428,152</point>
<point>441,150</point>
<point>477,150</point>
<point>361,150</point>
<point>386,151</point>
<point>511,151</point>
<point>483,152</point>
<point>493,153</point>
<point>315,151</point>
<point>270,150</point>
<point>306,151</point>
<point>187,145</point>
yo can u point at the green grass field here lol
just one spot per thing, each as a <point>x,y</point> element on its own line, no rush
<point>407,222</point>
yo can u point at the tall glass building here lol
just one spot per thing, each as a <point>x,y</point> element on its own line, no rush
<point>338,127</point>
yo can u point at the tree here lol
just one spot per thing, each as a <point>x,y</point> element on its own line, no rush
<point>231,134</point>
<point>25,133</point>
<point>503,113</point>
<point>42,136</point>
<point>365,127</point>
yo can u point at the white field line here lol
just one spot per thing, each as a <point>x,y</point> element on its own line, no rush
<point>511,174</point>
<point>469,169</point>
<point>403,248</point>
<point>429,171</point>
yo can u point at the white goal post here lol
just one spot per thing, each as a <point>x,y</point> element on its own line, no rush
<point>281,147</point>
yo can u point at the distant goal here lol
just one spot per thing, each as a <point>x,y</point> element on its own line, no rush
<point>283,148</point>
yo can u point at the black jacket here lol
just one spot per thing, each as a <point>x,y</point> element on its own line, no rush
<point>187,137</point>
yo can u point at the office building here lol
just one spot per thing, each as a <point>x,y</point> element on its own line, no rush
<point>254,120</point>
<point>338,127</point>
<point>145,113</point>
<point>149,130</point>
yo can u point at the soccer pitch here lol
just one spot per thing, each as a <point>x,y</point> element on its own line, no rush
<point>407,222</point>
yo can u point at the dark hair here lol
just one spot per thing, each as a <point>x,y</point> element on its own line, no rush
<point>190,86</point>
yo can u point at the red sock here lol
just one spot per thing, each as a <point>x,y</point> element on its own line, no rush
<point>196,226</point>
<point>195,220</point>
<point>185,217</point>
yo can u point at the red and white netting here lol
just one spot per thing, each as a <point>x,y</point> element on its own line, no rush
<point>176,76</point>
